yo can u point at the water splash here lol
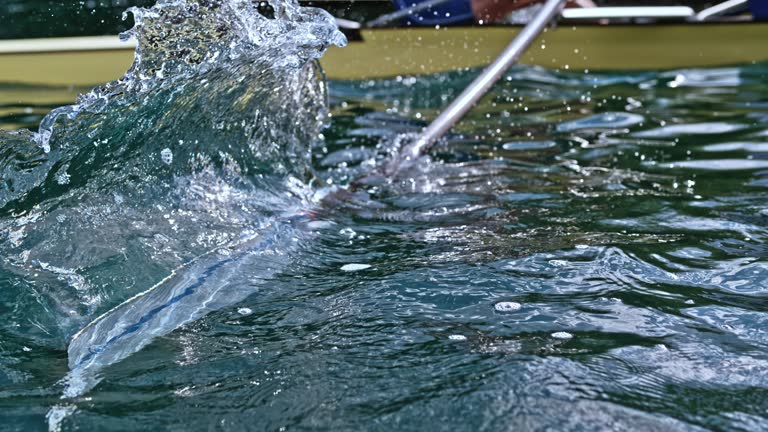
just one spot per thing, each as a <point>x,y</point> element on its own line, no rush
<point>198,160</point>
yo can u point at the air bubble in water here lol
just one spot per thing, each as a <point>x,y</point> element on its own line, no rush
<point>62,177</point>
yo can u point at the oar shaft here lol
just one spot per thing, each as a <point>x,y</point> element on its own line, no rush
<point>480,86</point>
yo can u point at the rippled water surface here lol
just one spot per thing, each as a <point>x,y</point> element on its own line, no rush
<point>585,252</point>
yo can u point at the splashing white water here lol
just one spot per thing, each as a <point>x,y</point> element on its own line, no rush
<point>206,141</point>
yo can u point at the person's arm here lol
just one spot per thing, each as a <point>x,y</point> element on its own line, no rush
<point>493,10</point>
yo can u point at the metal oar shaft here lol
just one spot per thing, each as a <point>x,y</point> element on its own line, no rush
<point>480,86</point>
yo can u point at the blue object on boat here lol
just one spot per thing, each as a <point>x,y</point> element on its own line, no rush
<point>759,9</point>
<point>449,12</point>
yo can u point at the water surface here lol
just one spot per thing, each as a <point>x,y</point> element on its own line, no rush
<point>585,252</point>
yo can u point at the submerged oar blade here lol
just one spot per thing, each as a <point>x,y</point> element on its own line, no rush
<point>215,280</point>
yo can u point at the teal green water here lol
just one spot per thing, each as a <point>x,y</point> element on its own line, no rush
<point>628,211</point>
<point>584,252</point>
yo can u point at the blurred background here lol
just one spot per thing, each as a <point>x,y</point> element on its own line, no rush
<point>53,18</point>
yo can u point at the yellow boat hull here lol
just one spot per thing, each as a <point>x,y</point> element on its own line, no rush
<point>411,51</point>
<point>391,52</point>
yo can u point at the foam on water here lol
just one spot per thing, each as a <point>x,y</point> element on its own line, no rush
<point>354,267</point>
<point>507,306</point>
